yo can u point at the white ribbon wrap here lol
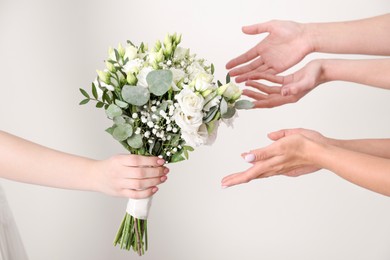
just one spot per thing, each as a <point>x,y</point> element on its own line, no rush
<point>139,208</point>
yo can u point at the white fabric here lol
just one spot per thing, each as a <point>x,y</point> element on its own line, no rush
<point>139,208</point>
<point>11,246</point>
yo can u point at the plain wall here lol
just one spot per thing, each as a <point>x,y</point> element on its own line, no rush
<point>49,49</point>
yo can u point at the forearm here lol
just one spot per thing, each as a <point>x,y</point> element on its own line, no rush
<point>375,147</point>
<point>362,169</point>
<point>24,161</point>
<point>366,36</point>
<point>373,72</point>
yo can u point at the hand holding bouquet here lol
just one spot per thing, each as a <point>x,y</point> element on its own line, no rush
<point>163,102</point>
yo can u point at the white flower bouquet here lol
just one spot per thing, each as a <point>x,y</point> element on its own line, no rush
<point>163,102</point>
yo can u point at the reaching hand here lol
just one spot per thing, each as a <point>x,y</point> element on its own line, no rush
<point>286,156</point>
<point>293,87</point>
<point>286,45</point>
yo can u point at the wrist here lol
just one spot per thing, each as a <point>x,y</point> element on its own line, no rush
<point>91,173</point>
<point>312,37</point>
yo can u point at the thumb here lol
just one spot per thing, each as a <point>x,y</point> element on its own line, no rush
<point>255,28</point>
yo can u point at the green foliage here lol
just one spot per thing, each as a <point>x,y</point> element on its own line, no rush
<point>159,81</point>
<point>122,132</point>
<point>113,111</point>
<point>244,104</point>
<point>135,95</point>
<point>135,141</point>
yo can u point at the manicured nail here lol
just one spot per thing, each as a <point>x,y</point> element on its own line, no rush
<point>155,189</point>
<point>160,162</point>
<point>166,170</point>
<point>224,187</point>
<point>250,157</point>
<point>163,178</point>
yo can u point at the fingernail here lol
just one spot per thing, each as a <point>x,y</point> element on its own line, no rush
<point>249,157</point>
<point>224,187</point>
<point>160,162</point>
<point>166,170</point>
<point>163,178</point>
<point>155,189</point>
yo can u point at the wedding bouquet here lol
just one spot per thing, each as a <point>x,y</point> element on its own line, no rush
<point>162,102</point>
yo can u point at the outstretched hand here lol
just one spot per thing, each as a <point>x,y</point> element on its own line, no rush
<point>286,156</point>
<point>286,45</point>
<point>291,88</point>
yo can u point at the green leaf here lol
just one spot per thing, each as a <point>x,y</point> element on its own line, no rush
<point>122,132</point>
<point>135,141</point>
<point>121,104</point>
<point>177,157</point>
<point>129,42</point>
<point>186,155</point>
<point>110,130</point>
<point>188,148</point>
<point>85,94</point>
<point>99,104</point>
<point>230,113</point>
<point>227,78</point>
<point>159,81</point>
<point>119,120</point>
<point>94,91</point>
<point>212,68</point>
<point>117,56</point>
<point>84,101</point>
<point>244,104</point>
<point>113,111</point>
<point>135,95</point>
<point>210,115</point>
<point>219,83</point>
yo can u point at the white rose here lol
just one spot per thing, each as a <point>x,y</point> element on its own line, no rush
<point>130,52</point>
<point>231,91</point>
<point>202,82</point>
<point>190,103</point>
<point>194,69</point>
<point>133,66</point>
<point>180,53</point>
<point>188,123</point>
<point>141,77</point>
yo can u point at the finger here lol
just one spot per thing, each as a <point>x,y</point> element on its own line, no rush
<point>144,172</point>
<point>255,28</point>
<point>252,173</point>
<point>253,94</point>
<point>138,160</point>
<point>247,56</point>
<point>142,184</point>
<point>277,135</point>
<point>260,75</point>
<point>138,194</point>
<point>275,101</point>
<point>263,88</point>
<point>301,170</point>
<point>247,68</point>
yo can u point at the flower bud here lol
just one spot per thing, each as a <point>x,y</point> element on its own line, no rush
<point>157,46</point>
<point>177,39</point>
<point>131,79</point>
<point>121,50</point>
<point>230,91</point>
<point>168,50</point>
<point>110,66</point>
<point>206,92</point>
<point>160,56</point>
<point>104,76</point>
<point>167,40</point>
<point>111,54</point>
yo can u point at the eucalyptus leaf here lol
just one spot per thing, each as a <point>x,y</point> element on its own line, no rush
<point>159,81</point>
<point>135,141</point>
<point>244,104</point>
<point>110,130</point>
<point>121,104</point>
<point>230,113</point>
<point>122,132</point>
<point>135,95</point>
<point>113,111</point>
<point>119,120</point>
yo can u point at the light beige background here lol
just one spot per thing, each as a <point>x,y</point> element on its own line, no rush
<point>49,49</point>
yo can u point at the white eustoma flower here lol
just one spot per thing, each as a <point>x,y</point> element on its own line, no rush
<point>190,103</point>
<point>130,52</point>
<point>187,123</point>
<point>194,69</point>
<point>178,74</point>
<point>180,53</point>
<point>142,76</point>
<point>196,138</point>
<point>133,66</point>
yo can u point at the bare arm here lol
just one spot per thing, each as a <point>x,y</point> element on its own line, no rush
<point>121,175</point>
<point>365,36</point>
